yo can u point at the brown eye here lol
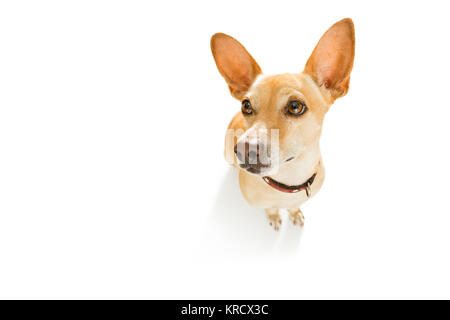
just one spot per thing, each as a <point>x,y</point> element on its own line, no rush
<point>246,107</point>
<point>296,108</point>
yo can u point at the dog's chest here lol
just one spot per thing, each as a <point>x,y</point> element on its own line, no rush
<point>259,194</point>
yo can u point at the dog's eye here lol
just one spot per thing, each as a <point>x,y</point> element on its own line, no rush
<point>246,107</point>
<point>296,108</point>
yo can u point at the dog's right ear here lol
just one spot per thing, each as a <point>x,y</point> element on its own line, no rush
<point>331,62</point>
<point>235,64</point>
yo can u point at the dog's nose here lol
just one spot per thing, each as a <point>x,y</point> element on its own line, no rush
<point>239,155</point>
<point>250,154</point>
<point>246,153</point>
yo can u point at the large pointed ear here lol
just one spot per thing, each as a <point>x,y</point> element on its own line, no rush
<point>235,64</point>
<point>331,62</point>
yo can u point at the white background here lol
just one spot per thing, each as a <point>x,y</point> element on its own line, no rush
<point>112,177</point>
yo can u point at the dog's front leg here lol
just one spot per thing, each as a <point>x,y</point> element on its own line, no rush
<point>296,216</point>
<point>274,218</point>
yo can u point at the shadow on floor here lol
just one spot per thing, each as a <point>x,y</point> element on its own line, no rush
<point>236,229</point>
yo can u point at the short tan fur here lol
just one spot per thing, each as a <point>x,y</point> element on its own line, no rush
<point>268,102</point>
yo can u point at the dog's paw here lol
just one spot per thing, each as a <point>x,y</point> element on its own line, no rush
<point>275,222</point>
<point>297,218</point>
<point>274,218</point>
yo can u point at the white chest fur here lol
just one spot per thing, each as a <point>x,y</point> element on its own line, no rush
<point>259,194</point>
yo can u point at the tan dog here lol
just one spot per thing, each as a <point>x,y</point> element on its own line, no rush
<point>274,139</point>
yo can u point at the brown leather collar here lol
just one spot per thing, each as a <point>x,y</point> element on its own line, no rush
<point>291,189</point>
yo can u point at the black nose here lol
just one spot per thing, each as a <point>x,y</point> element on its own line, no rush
<point>249,154</point>
<point>253,156</point>
<point>238,154</point>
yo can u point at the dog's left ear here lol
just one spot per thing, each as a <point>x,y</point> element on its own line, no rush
<point>331,62</point>
<point>235,64</point>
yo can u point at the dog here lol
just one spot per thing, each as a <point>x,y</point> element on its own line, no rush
<point>274,139</point>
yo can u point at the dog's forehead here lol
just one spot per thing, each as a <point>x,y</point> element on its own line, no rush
<point>273,85</point>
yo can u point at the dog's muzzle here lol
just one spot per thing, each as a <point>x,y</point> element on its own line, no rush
<point>253,156</point>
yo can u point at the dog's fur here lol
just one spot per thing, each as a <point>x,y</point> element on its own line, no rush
<point>325,78</point>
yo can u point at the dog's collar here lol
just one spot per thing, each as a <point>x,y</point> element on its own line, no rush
<point>291,189</point>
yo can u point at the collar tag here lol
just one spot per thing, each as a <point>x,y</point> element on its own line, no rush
<point>308,189</point>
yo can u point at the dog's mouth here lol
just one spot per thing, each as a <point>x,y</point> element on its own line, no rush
<point>289,159</point>
<point>291,189</point>
<point>260,168</point>
<point>254,169</point>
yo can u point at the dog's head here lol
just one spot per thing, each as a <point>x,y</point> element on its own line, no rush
<point>284,113</point>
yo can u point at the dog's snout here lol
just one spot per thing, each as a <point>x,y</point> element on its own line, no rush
<point>239,155</point>
<point>251,154</point>
<point>246,152</point>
